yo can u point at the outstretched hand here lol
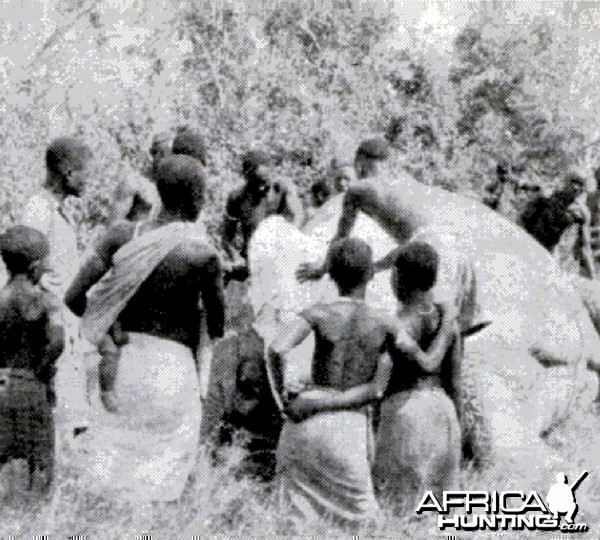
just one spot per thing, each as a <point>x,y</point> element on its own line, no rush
<point>309,272</point>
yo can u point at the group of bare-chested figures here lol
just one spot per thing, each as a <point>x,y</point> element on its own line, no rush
<point>149,297</point>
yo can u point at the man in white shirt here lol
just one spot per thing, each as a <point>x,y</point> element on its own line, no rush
<point>51,210</point>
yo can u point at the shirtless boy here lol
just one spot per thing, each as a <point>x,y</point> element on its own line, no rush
<point>350,369</point>
<point>31,340</point>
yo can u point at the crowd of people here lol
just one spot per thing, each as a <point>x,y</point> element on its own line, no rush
<point>149,300</point>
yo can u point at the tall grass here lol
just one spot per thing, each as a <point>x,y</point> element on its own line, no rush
<point>215,503</point>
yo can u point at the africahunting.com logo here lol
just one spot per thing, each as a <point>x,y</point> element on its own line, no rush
<point>507,510</point>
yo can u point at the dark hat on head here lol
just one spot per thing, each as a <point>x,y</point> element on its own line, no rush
<point>374,148</point>
<point>190,143</point>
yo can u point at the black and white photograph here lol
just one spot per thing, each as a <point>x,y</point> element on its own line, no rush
<point>299,268</point>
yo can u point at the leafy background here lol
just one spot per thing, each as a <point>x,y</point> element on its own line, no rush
<point>457,86</point>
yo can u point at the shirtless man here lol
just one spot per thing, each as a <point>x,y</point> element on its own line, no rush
<point>262,195</point>
<point>31,339</point>
<point>50,212</point>
<point>189,273</point>
<point>377,199</point>
<point>419,398</point>
<point>547,218</point>
<point>351,339</point>
<point>133,198</point>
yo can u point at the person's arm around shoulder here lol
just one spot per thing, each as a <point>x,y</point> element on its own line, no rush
<point>430,360</point>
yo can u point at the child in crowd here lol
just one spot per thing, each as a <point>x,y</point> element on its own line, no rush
<point>32,338</point>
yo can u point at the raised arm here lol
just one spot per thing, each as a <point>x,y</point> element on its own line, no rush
<point>350,208</point>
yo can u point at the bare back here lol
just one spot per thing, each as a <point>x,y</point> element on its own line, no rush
<point>349,339</point>
<point>423,328</point>
<point>168,303</point>
<point>24,316</point>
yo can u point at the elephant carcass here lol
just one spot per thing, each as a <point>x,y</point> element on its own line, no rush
<point>507,397</point>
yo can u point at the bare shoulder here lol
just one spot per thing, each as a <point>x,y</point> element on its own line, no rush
<point>118,234</point>
<point>383,318</point>
<point>361,189</point>
<point>316,311</point>
<point>199,253</point>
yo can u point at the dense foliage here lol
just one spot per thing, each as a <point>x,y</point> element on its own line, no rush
<point>305,79</point>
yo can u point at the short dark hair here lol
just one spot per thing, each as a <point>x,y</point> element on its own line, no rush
<point>22,246</point>
<point>190,143</point>
<point>350,262</point>
<point>180,182</point>
<point>374,148</point>
<point>253,159</point>
<point>66,154</point>
<point>417,266</point>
